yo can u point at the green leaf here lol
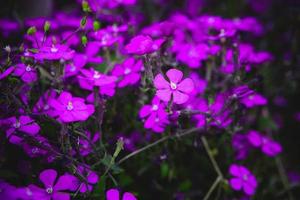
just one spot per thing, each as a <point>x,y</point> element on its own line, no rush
<point>164,170</point>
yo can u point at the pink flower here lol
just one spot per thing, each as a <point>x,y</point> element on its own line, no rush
<point>54,52</point>
<point>267,145</point>
<point>242,179</point>
<point>157,117</point>
<point>26,72</point>
<point>142,44</point>
<point>21,124</point>
<point>128,71</point>
<point>176,88</point>
<point>70,109</point>
<point>114,194</point>
<point>55,189</point>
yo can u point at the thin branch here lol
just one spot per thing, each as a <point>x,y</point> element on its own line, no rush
<point>212,188</point>
<point>192,130</point>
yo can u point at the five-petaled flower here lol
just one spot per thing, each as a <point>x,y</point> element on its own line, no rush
<point>176,88</point>
<point>55,189</point>
<point>143,44</point>
<point>26,72</point>
<point>70,109</point>
<point>267,145</point>
<point>242,179</point>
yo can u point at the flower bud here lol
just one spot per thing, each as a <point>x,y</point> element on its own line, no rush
<point>86,6</point>
<point>96,25</point>
<point>84,40</point>
<point>31,30</point>
<point>47,26</point>
<point>83,22</point>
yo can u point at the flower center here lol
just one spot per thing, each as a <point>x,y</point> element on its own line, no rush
<point>127,71</point>
<point>53,49</point>
<point>28,68</point>
<point>154,107</point>
<point>70,106</point>
<point>17,124</point>
<point>156,119</point>
<point>245,177</point>
<point>173,86</point>
<point>46,107</point>
<point>73,68</point>
<point>49,190</point>
<point>96,75</point>
<point>35,150</point>
<point>250,97</point>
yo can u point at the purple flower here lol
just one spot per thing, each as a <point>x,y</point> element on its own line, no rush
<point>267,145</point>
<point>91,78</point>
<point>85,147</point>
<point>55,188</point>
<point>54,52</point>
<point>26,72</point>
<point>176,87</point>
<point>241,146</point>
<point>91,178</point>
<point>156,115</point>
<point>23,124</point>
<point>114,194</point>
<point>128,71</point>
<point>192,55</point>
<point>242,179</point>
<point>42,106</point>
<point>248,97</point>
<point>6,72</point>
<point>142,44</point>
<point>70,109</point>
<point>8,26</point>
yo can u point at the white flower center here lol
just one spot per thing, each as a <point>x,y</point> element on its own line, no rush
<point>127,71</point>
<point>155,107</point>
<point>35,150</point>
<point>17,124</point>
<point>96,75</point>
<point>245,177</point>
<point>53,49</point>
<point>49,190</point>
<point>73,68</point>
<point>28,68</point>
<point>70,106</point>
<point>251,97</point>
<point>155,46</point>
<point>173,86</point>
<point>46,107</point>
<point>156,119</point>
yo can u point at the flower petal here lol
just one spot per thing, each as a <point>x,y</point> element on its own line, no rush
<point>179,97</point>
<point>164,94</point>
<point>112,194</point>
<point>48,177</point>
<point>174,75</point>
<point>186,86</point>
<point>236,183</point>
<point>128,196</point>
<point>160,82</point>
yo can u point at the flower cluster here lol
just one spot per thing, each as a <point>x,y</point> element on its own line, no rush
<point>83,85</point>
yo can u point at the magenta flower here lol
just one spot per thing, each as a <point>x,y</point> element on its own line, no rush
<point>21,124</point>
<point>176,88</point>
<point>42,106</point>
<point>55,188</point>
<point>85,147</point>
<point>26,72</point>
<point>267,145</point>
<point>114,194</point>
<point>54,52</point>
<point>192,55</point>
<point>248,97</point>
<point>91,178</point>
<point>157,117</point>
<point>142,44</point>
<point>128,71</point>
<point>6,72</point>
<point>241,146</point>
<point>242,179</point>
<point>91,78</point>
<point>70,109</point>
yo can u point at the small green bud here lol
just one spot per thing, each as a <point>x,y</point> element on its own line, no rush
<point>96,25</point>
<point>86,6</point>
<point>83,22</point>
<point>47,26</point>
<point>119,147</point>
<point>31,30</point>
<point>84,40</point>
